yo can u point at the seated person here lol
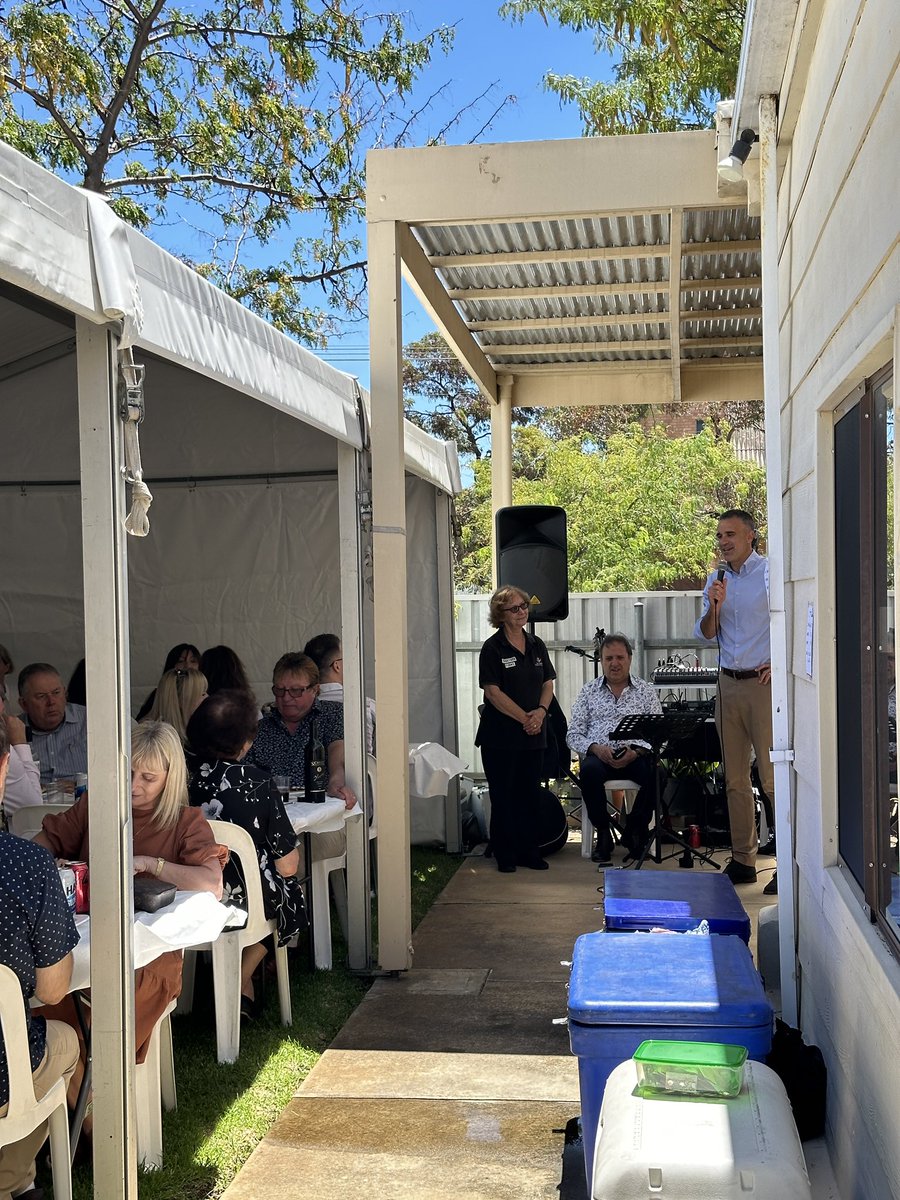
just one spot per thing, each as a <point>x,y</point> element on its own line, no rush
<point>220,733</point>
<point>598,708</point>
<point>176,698</point>
<point>172,842</point>
<point>58,729</point>
<point>23,778</point>
<point>283,737</point>
<point>185,656</point>
<point>325,651</point>
<point>37,934</point>
<point>224,671</point>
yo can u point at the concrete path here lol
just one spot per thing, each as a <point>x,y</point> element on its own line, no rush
<point>455,1081</point>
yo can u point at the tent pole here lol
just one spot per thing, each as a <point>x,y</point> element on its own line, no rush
<point>358,903</point>
<point>447,660</point>
<point>109,740</point>
<point>501,459</point>
<point>389,546</point>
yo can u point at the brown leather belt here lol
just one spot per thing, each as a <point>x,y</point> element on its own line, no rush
<point>740,674</point>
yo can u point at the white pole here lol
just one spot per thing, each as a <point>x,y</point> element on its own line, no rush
<point>109,781</point>
<point>389,545</point>
<point>446,623</point>
<point>782,751</point>
<point>358,904</point>
<point>501,458</point>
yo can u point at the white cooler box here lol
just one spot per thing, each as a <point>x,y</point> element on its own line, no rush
<point>692,1148</point>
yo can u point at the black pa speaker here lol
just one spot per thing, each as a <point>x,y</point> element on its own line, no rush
<point>532,554</point>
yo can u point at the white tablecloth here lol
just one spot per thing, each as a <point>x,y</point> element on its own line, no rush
<point>191,919</point>
<point>320,818</point>
<point>431,767</point>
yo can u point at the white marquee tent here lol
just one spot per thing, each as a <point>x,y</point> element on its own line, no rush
<point>257,456</point>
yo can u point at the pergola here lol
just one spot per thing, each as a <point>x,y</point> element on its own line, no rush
<point>582,272</point>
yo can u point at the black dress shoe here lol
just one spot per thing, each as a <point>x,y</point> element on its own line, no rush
<point>506,868</point>
<point>602,855</point>
<point>535,864</point>
<point>771,888</point>
<point>768,848</point>
<point>739,872</point>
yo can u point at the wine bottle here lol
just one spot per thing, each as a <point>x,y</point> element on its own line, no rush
<point>316,766</point>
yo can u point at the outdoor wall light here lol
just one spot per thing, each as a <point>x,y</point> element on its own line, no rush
<point>731,169</point>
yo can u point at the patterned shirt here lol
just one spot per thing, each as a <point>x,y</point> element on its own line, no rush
<point>63,751</point>
<point>36,930</point>
<point>597,712</point>
<point>744,619</point>
<point>281,752</point>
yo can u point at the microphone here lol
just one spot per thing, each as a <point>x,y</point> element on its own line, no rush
<point>720,572</point>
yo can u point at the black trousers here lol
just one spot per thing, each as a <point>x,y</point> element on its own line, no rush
<point>514,783</point>
<point>594,774</point>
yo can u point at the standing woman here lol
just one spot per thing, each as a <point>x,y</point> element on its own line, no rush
<point>515,671</point>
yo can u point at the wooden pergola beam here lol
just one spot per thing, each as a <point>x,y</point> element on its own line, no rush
<point>473,260</point>
<point>640,288</point>
<point>609,347</point>
<point>613,320</point>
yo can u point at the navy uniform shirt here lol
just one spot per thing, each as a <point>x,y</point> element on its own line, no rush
<point>36,930</point>
<point>522,678</point>
<point>281,752</point>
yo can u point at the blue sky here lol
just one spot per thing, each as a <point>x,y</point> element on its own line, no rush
<point>487,50</point>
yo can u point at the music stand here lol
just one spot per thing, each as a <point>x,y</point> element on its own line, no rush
<point>655,729</point>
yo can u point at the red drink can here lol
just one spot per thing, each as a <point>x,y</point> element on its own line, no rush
<point>82,887</point>
<point>695,836</point>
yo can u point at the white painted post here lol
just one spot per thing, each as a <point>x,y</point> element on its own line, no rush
<point>109,743</point>
<point>389,545</point>
<point>501,458</point>
<point>446,626</point>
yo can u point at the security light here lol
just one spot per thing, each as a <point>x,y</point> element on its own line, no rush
<point>731,169</point>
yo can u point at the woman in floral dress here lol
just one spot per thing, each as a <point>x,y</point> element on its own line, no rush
<point>219,734</point>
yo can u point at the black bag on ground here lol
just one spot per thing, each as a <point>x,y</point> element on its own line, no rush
<point>802,1070</point>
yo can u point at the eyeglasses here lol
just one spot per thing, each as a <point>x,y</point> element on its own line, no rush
<point>517,608</point>
<point>295,693</point>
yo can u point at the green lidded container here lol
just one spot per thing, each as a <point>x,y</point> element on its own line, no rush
<point>690,1068</point>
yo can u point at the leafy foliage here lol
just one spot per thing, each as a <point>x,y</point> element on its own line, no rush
<point>673,61</point>
<point>239,120</point>
<point>640,513</point>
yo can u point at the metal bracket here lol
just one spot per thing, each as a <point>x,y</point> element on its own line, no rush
<point>131,395</point>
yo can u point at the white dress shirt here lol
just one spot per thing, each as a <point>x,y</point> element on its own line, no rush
<point>23,780</point>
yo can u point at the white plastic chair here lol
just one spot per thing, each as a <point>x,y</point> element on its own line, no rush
<point>322,870</point>
<point>26,821</point>
<point>229,945</point>
<point>24,1112</point>
<point>629,787</point>
<point>154,1082</point>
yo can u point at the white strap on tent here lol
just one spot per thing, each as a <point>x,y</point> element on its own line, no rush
<point>131,410</point>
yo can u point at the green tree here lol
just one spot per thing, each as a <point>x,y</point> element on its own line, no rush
<point>239,120</point>
<point>673,61</point>
<point>640,513</point>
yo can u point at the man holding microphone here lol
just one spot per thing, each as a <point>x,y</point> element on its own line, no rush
<point>735,618</point>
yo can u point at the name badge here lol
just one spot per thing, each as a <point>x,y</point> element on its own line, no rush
<point>508,662</point>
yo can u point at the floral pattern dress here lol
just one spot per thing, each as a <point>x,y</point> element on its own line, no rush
<point>246,796</point>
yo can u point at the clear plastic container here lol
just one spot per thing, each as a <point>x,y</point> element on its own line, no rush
<point>690,1068</point>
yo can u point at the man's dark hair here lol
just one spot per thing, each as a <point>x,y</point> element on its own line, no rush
<point>617,639</point>
<point>741,514</point>
<point>293,663</point>
<point>223,724</point>
<point>323,649</point>
<point>35,669</point>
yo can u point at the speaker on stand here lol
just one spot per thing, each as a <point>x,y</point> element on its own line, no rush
<point>532,553</point>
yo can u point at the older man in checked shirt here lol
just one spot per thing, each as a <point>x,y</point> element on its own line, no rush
<point>598,708</point>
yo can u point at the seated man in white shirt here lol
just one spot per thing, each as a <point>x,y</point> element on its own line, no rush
<point>325,651</point>
<point>58,729</point>
<point>23,779</point>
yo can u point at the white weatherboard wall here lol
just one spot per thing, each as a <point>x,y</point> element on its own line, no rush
<point>839,285</point>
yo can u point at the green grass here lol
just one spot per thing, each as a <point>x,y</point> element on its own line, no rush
<point>224,1111</point>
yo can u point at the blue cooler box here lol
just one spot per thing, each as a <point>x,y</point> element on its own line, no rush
<point>635,900</point>
<point>628,987</point>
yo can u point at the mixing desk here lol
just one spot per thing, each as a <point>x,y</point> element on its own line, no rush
<point>678,675</point>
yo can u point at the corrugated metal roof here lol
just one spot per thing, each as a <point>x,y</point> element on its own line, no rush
<point>598,289</point>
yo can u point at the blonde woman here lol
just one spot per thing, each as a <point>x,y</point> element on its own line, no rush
<point>515,671</point>
<point>178,693</point>
<point>172,842</point>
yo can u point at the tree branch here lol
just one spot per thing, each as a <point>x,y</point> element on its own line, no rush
<point>47,105</point>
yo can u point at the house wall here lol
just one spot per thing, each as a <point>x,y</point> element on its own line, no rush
<point>839,287</point>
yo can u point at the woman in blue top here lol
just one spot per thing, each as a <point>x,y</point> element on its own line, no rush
<point>515,671</point>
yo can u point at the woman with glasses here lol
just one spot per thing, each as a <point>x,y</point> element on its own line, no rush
<point>515,671</point>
